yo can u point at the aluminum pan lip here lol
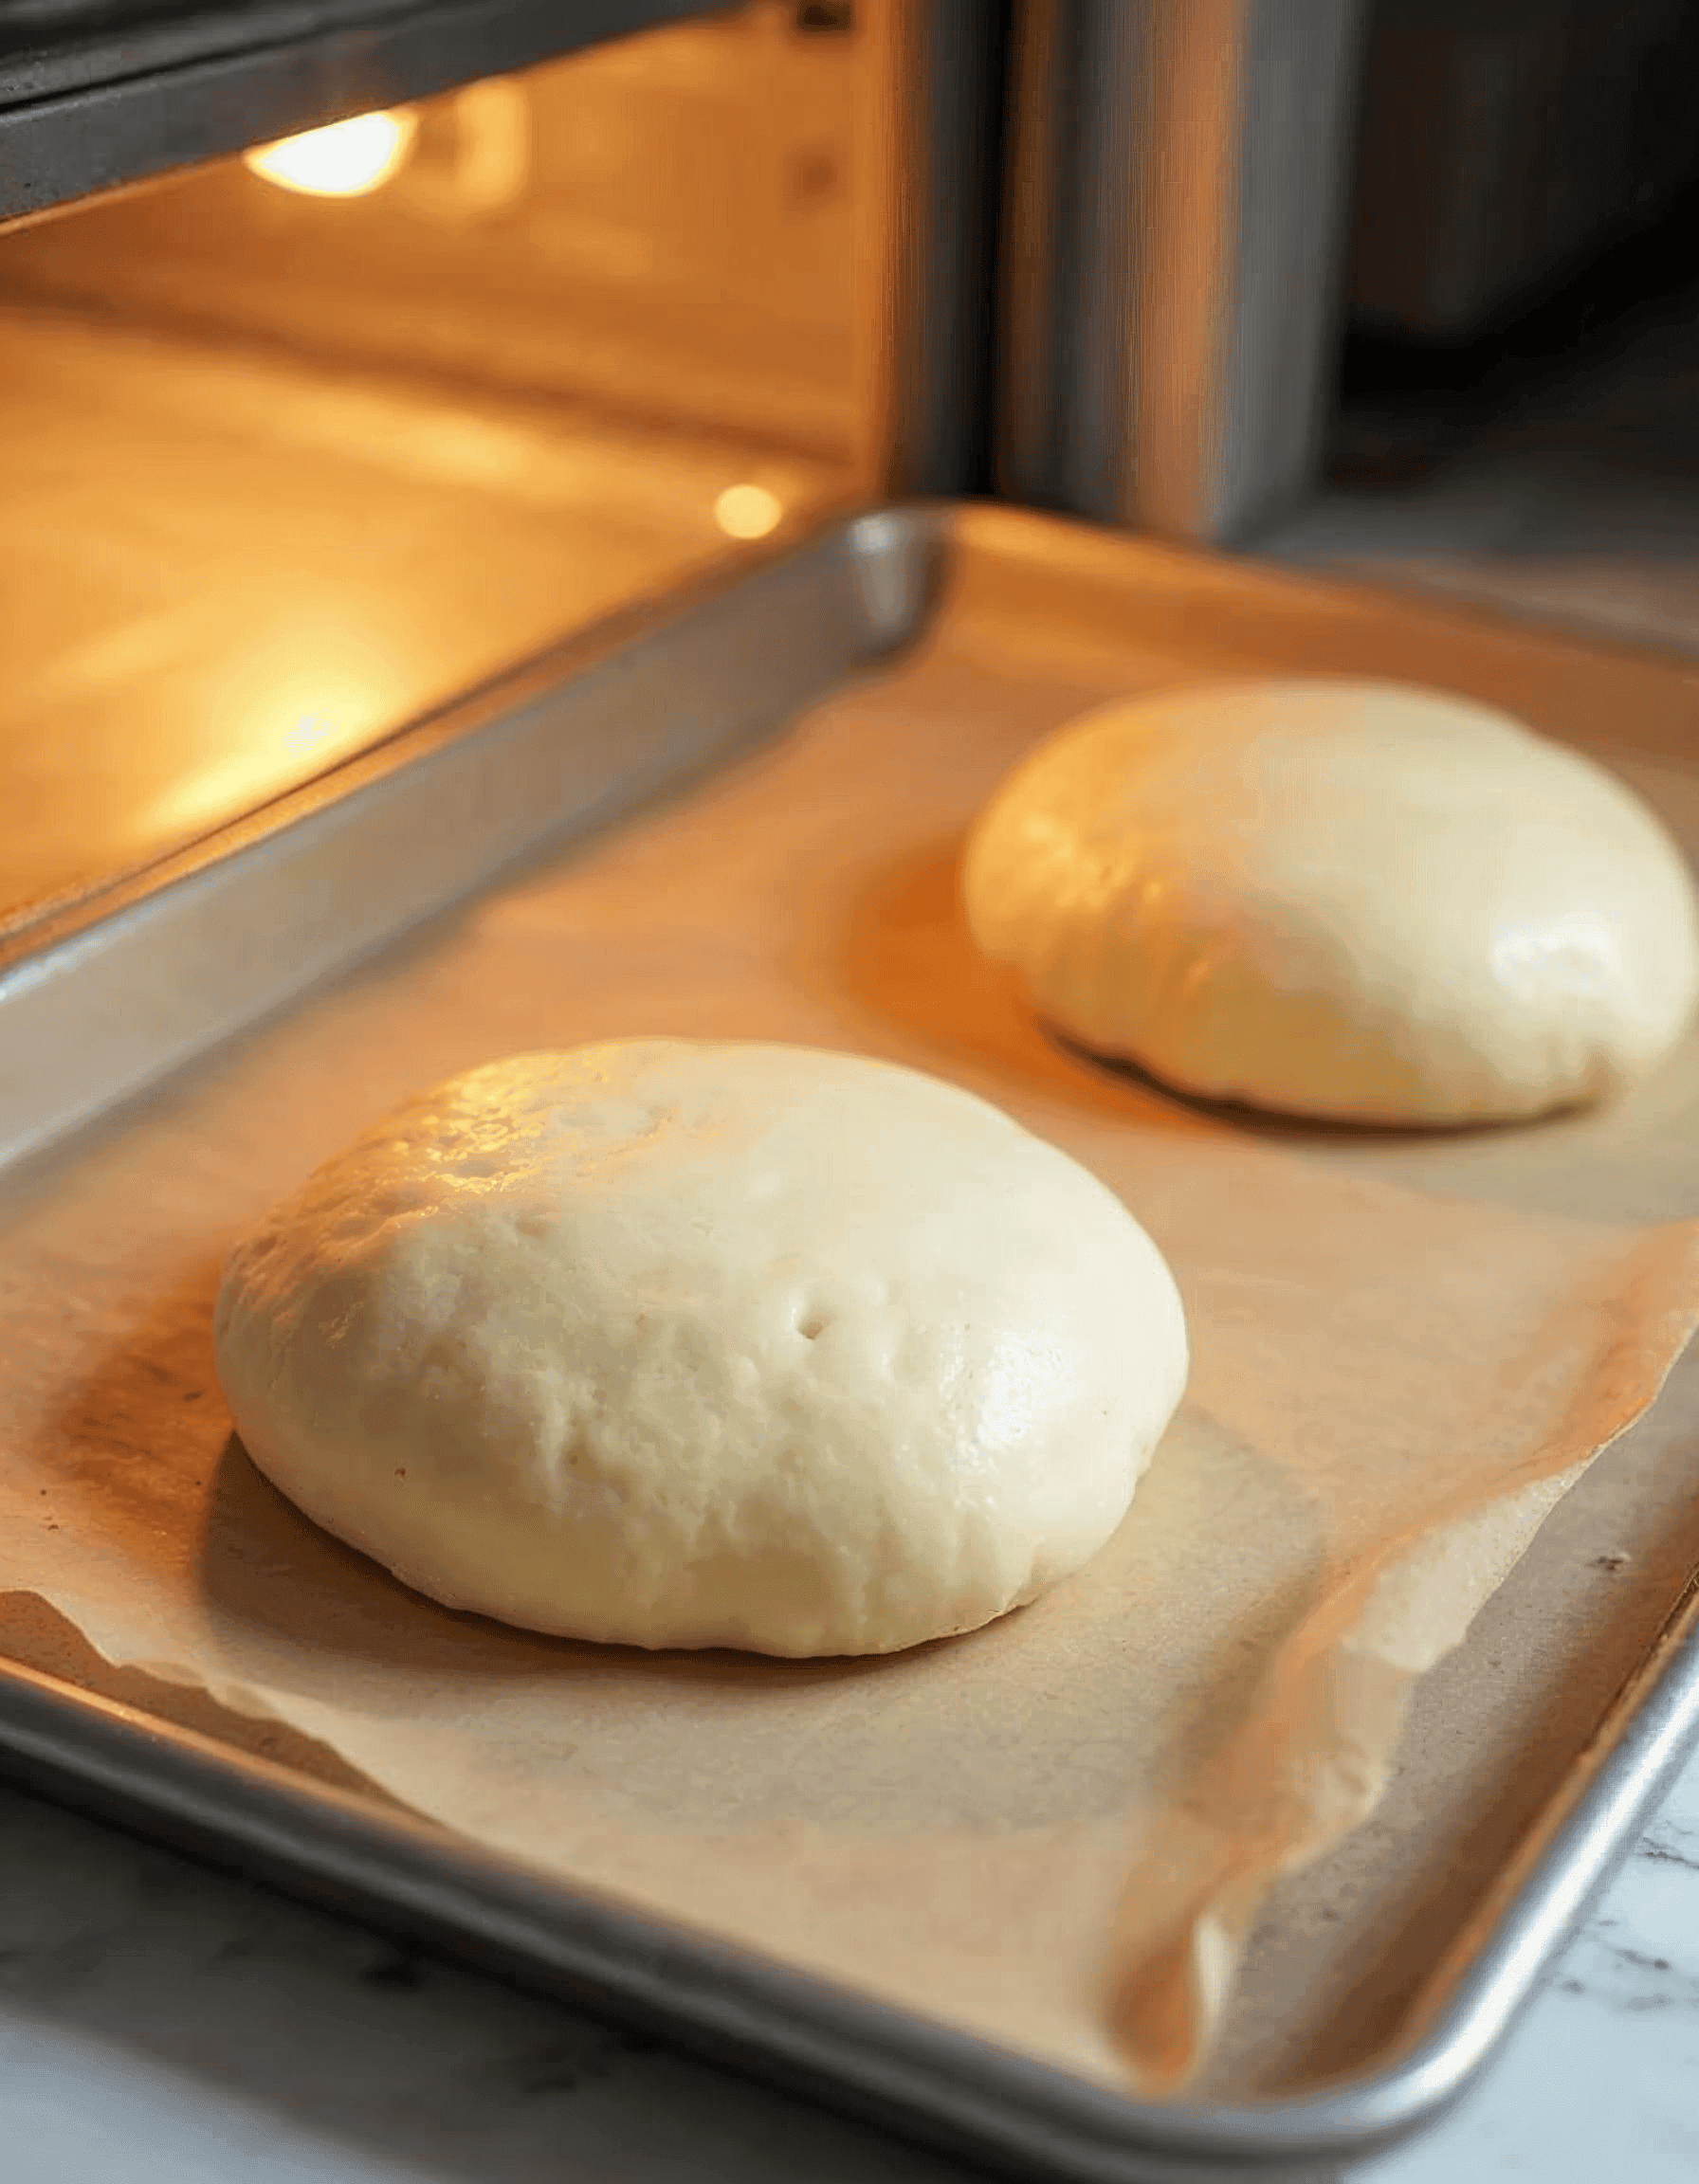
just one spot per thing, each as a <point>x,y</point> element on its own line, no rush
<point>869,581</point>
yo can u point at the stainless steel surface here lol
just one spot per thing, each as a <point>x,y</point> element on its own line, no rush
<point>947,81</point>
<point>1175,233</point>
<point>95,93</point>
<point>129,981</point>
<point>572,740</point>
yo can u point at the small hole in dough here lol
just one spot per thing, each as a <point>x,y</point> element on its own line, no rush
<point>812,1324</point>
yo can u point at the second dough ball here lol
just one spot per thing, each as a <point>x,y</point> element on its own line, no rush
<point>1357,902</point>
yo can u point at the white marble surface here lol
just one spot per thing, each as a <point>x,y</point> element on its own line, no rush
<point>161,2025</point>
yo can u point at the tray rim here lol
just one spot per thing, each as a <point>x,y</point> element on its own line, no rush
<point>868,580</point>
<point>591,1948</point>
<point>755,2012</point>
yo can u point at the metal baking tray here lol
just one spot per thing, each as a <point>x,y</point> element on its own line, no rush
<point>123,985</point>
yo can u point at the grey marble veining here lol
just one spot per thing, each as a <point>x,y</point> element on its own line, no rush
<point>159,2022</point>
<point>1637,1955</point>
<point>1601,2078</point>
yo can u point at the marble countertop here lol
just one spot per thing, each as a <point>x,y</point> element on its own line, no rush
<point>164,2024</point>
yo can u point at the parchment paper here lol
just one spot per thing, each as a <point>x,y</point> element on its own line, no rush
<point>1055,1831</point>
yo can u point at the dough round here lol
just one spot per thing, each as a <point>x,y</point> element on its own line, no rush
<point>1351,901</point>
<point>673,1343</point>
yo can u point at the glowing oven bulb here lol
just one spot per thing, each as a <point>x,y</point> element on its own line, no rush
<point>748,511</point>
<point>347,159</point>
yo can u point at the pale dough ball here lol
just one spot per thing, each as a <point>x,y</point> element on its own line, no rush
<point>1351,901</point>
<point>686,1344</point>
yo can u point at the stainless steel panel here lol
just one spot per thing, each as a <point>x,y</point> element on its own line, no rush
<point>1174,230</point>
<point>949,61</point>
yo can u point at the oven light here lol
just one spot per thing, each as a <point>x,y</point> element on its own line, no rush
<point>748,511</point>
<point>347,159</point>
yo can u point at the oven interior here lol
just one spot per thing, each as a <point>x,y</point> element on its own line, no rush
<point>299,442</point>
<point>302,443</point>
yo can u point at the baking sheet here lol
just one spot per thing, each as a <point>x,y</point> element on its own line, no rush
<point>1001,1831</point>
